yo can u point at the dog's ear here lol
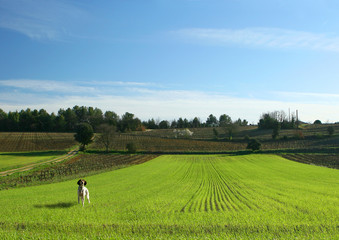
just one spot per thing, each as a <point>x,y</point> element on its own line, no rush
<point>79,182</point>
<point>85,182</point>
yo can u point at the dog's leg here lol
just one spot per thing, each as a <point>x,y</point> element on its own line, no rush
<point>87,195</point>
<point>78,197</point>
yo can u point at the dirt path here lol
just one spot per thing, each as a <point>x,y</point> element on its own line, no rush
<point>31,166</point>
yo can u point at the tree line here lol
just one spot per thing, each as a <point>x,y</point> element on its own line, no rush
<point>66,120</point>
<point>277,119</point>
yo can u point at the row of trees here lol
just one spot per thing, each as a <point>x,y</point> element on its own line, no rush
<point>211,121</point>
<point>67,120</point>
<point>277,119</point>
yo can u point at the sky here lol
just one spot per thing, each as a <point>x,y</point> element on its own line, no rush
<point>166,59</point>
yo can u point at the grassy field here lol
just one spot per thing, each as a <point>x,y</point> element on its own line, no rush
<point>19,159</point>
<point>82,164</point>
<point>183,196</point>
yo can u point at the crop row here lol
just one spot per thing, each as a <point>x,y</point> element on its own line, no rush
<point>37,141</point>
<point>254,196</point>
<point>172,145</point>
<point>217,185</point>
<point>80,165</point>
<point>327,160</point>
<point>157,144</point>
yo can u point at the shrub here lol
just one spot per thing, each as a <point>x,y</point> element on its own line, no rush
<point>254,145</point>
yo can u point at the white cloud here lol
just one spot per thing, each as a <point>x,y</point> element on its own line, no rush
<point>312,95</point>
<point>262,37</point>
<point>148,103</point>
<point>39,19</point>
<point>46,86</point>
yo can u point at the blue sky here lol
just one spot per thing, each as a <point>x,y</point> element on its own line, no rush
<point>167,59</point>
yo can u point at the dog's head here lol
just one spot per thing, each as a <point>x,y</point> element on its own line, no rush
<point>82,182</point>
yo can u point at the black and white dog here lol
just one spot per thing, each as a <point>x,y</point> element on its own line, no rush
<point>82,191</point>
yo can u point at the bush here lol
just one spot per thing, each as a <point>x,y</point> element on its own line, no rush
<point>254,145</point>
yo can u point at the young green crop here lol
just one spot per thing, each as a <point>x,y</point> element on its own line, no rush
<point>183,196</point>
<point>19,159</point>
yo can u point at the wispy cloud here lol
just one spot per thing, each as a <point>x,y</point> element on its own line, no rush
<point>46,86</point>
<point>147,101</point>
<point>310,94</point>
<point>39,19</point>
<point>262,37</point>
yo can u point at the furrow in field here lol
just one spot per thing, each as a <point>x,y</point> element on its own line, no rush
<point>195,203</point>
<point>213,193</point>
<point>227,188</point>
<point>219,188</point>
<point>266,193</point>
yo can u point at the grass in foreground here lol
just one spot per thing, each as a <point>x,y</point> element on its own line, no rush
<point>217,197</point>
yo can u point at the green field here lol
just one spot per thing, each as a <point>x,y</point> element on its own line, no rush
<point>12,160</point>
<point>183,196</point>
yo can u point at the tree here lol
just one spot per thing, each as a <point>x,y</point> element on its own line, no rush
<point>60,123</point>
<point>174,124</point>
<point>164,124</point>
<point>84,135</point>
<point>276,130</point>
<point>317,122</point>
<point>3,120</point>
<point>70,118</point>
<point>211,121</point>
<point>95,117</point>
<point>129,123</point>
<point>230,128</point>
<point>111,118</point>
<point>180,123</point>
<point>196,122</point>
<point>151,124</point>
<point>268,120</point>
<point>224,120</point>
<point>254,145</point>
<point>13,121</point>
<point>107,136</point>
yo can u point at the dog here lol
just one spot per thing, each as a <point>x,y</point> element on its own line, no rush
<point>82,191</point>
